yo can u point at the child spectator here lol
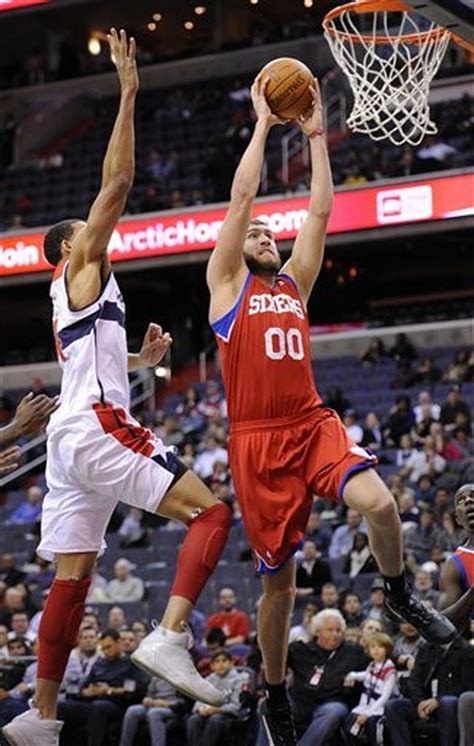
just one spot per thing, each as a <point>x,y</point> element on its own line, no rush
<point>379,682</point>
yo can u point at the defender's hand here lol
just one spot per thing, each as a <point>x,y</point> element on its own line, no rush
<point>33,412</point>
<point>9,460</point>
<point>123,54</point>
<point>155,346</point>
<point>313,119</point>
<point>262,109</point>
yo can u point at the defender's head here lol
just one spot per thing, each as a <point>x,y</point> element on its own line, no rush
<point>464,507</point>
<point>58,240</point>
<point>260,251</point>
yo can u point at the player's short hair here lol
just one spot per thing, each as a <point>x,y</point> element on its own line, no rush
<point>53,239</point>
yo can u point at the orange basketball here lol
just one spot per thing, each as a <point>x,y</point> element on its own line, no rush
<point>287,92</point>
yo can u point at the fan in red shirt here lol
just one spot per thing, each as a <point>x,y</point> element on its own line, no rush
<point>234,623</point>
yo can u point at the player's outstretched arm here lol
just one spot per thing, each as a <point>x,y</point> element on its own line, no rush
<point>308,251</point>
<point>227,258</point>
<point>454,604</point>
<point>90,244</point>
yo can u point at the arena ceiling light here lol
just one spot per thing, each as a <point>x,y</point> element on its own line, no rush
<point>157,17</point>
<point>308,3</point>
<point>188,25</point>
<point>200,10</point>
<point>151,26</point>
<point>94,46</point>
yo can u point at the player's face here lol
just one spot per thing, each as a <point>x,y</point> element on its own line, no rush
<point>78,226</point>
<point>465,509</point>
<point>260,251</point>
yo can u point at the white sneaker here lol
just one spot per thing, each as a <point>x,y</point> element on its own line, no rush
<point>165,653</point>
<point>30,729</point>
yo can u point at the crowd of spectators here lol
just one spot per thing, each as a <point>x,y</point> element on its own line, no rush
<point>350,666</point>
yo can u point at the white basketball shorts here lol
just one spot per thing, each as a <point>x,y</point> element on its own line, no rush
<point>92,465</point>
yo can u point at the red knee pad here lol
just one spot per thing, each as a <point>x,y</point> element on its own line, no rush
<point>59,626</point>
<point>201,550</point>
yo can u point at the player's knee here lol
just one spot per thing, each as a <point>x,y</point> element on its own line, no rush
<point>281,595</point>
<point>383,506</point>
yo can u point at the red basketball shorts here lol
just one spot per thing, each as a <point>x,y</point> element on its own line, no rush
<point>278,466</point>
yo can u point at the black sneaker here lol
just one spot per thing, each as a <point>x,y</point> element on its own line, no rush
<point>279,725</point>
<point>432,625</point>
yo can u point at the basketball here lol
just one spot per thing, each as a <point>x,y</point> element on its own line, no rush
<point>288,91</point>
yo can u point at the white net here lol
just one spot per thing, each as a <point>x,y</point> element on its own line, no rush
<point>390,61</point>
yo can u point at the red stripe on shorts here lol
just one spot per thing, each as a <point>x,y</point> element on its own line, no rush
<point>114,422</point>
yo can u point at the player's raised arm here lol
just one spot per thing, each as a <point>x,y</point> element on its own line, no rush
<point>90,244</point>
<point>227,258</point>
<point>308,250</point>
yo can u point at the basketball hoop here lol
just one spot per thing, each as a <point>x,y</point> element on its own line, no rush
<point>390,56</point>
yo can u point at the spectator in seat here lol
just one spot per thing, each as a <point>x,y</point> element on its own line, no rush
<point>234,623</point>
<point>372,435</point>
<point>112,685</point>
<point>156,708</point>
<point>319,668</point>
<point>400,421</point>
<point>312,572</point>
<point>10,677</point>
<point>374,352</point>
<point>132,533</point>
<point>427,372</point>
<point>302,631</point>
<point>440,675</point>
<point>3,641</point>
<point>10,575</point>
<point>19,624</point>
<point>212,403</point>
<point>30,510</point>
<point>329,596</point>
<point>13,600</point>
<point>419,541</point>
<point>116,618</point>
<point>139,629</point>
<point>406,647</point>
<point>405,451</point>
<point>336,400</point>
<point>128,641</point>
<point>355,431</point>
<point>374,607</point>
<point>352,609</point>
<point>423,587</point>
<point>379,682</point>
<point>213,725</point>
<point>80,663</point>
<point>466,718</point>
<point>409,513</point>
<point>425,490</point>
<point>318,532</point>
<point>368,628</point>
<point>359,558</point>
<point>403,351</point>
<point>343,537</point>
<point>425,461</point>
<point>452,407</point>
<point>425,404</point>
<point>457,371</point>
<point>125,586</point>
<point>204,463</point>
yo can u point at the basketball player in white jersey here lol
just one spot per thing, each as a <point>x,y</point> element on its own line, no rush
<point>98,454</point>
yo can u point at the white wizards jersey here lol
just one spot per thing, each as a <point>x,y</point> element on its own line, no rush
<point>92,351</point>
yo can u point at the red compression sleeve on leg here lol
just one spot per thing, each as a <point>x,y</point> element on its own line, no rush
<point>59,626</point>
<point>201,550</point>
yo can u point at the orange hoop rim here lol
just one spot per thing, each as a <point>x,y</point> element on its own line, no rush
<point>374,6</point>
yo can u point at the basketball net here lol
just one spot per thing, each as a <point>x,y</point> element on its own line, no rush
<point>390,56</point>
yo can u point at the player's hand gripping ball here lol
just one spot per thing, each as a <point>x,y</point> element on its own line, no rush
<point>288,89</point>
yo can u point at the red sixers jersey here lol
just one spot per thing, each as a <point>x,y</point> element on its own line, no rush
<point>464,559</point>
<point>265,353</point>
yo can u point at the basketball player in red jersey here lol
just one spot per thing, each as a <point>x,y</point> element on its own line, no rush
<point>98,454</point>
<point>457,575</point>
<point>284,445</point>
